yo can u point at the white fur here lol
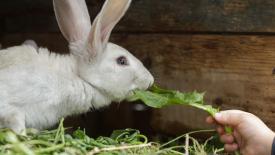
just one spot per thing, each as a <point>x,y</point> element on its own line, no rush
<point>31,43</point>
<point>37,87</point>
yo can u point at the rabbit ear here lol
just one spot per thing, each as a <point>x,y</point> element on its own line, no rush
<point>73,19</point>
<point>111,13</point>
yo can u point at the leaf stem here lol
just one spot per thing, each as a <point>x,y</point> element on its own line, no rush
<point>189,133</point>
<point>96,150</point>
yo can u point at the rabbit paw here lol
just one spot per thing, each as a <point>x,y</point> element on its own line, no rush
<point>16,122</point>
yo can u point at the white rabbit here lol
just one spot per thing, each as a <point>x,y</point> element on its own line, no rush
<point>37,87</point>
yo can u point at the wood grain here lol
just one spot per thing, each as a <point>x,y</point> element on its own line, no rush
<point>173,16</point>
<point>53,41</point>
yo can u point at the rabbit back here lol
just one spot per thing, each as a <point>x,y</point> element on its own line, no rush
<point>41,86</point>
<point>16,55</point>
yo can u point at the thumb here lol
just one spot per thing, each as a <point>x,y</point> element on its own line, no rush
<point>229,117</point>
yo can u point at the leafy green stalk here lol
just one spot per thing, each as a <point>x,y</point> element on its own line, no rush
<point>121,142</point>
<point>158,98</point>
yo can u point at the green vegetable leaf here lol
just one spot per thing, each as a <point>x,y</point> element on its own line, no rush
<point>157,98</point>
<point>152,99</point>
<point>80,134</point>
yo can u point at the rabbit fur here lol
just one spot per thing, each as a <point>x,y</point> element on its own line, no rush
<point>31,43</point>
<point>38,87</point>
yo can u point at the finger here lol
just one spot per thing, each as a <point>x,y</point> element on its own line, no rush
<point>231,147</point>
<point>229,117</point>
<point>237,137</point>
<point>227,139</point>
<point>210,120</point>
<point>220,130</point>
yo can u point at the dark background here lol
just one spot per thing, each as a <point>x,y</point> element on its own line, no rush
<point>225,48</point>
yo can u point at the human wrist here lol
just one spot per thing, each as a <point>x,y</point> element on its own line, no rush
<point>272,147</point>
<point>270,143</point>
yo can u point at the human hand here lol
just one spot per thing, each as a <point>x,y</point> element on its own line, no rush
<point>250,134</point>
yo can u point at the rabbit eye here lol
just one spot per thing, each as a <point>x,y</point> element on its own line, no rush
<point>122,60</point>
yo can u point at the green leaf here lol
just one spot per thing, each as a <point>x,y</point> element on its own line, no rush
<point>157,98</point>
<point>152,99</point>
<point>80,134</point>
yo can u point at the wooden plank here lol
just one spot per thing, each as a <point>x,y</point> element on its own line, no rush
<point>176,16</point>
<point>236,71</point>
<point>53,41</point>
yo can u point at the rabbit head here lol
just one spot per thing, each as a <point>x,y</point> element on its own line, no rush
<point>107,67</point>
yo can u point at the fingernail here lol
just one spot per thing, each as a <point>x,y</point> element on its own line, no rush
<point>218,116</point>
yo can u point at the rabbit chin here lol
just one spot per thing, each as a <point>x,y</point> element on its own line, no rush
<point>116,96</point>
<point>121,97</point>
<point>103,97</point>
<point>100,100</point>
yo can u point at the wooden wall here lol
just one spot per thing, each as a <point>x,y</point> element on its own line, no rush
<point>223,47</point>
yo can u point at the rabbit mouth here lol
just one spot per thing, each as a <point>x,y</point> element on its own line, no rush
<point>130,97</point>
<point>131,93</point>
